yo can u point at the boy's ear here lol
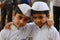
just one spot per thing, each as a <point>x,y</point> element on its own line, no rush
<point>13,15</point>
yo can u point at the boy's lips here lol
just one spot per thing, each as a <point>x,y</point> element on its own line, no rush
<point>21,25</point>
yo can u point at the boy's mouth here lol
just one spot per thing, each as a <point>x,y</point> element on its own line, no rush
<point>41,24</point>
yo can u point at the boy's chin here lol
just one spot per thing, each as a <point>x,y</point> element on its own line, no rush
<point>40,26</point>
<point>19,26</point>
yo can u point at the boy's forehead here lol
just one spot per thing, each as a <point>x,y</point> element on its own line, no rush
<point>21,15</point>
<point>37,14</point>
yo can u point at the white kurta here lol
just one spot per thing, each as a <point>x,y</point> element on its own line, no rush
<point>44,33</point>
<point>15,34</point>
<point>30,30</point>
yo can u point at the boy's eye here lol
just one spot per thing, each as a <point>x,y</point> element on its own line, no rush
<point>34,17</point>
<point>40,17</point>
<point>26,19</point>
<point>20,17</point>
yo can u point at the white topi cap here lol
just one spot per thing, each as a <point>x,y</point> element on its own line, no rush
<point>40,6</point>
<point>25,9</point>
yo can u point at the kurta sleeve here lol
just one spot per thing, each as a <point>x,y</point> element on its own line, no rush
<point>54,34</point>
<point>4,34</point>
<point>57,37</point>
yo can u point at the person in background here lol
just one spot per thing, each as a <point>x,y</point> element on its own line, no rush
<point>47,1</point>
<point>25,1</point>
<point>56,12</point>
<point>6,10</point>
<point>16,2</point>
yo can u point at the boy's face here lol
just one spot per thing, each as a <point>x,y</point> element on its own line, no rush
<point>39,19</point>
<point>20,20</point>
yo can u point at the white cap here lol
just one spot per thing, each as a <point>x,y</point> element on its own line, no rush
<point>40,6</point>
<point>25,9</point>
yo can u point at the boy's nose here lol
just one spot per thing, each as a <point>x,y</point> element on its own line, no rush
<point>21,21</point>
<point>37,19</point>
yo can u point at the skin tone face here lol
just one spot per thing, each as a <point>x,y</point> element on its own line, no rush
<point>39,19</point>
<point>20,20</point>
<point>16,22</point>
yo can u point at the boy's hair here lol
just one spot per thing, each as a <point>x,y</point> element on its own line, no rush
<point>17,10</point>
<point>40,12</point>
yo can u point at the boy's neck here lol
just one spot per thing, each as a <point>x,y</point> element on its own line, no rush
<point>42,25</point>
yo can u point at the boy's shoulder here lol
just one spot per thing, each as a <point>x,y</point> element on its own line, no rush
<point>31,24</point>
<point>4,32</point>
<point>53,29</point>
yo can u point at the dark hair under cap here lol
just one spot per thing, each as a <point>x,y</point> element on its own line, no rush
<point>40,12</point>
<point>17,10</point>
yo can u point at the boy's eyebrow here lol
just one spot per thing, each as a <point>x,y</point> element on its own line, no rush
<point>20,16</point>
<point>39,16</point>
<point>23,17</point>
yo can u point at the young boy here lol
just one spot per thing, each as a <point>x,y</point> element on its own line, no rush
<point>40,15</point>
<point>19,29</point>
